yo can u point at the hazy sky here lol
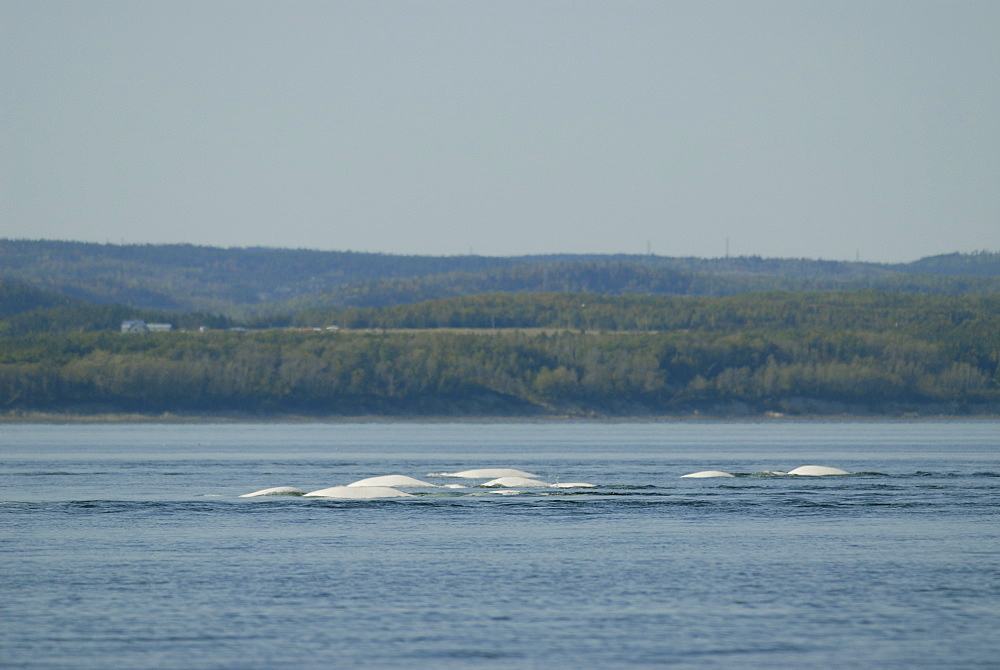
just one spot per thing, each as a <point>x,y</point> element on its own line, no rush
<point>794,129</point>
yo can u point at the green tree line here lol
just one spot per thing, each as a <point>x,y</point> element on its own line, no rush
<point>937,316</point>
<point>784,352</point>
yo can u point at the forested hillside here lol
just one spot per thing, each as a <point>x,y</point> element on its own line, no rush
<point>20,297</point>
<point>244,282</point>
<point>774,311</point>
<point>192,277</point>
<point>660,276</point>
<point>546,335</point>
<point>788,353</point>
<point>26,310</point>
<point>982,264</point>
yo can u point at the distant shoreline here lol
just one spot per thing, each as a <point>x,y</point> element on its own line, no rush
<point>39,417</point>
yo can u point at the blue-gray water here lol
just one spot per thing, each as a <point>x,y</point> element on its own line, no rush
<point>127,546</point>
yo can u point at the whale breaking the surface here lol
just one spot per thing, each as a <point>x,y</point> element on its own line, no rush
<point>817,471</point>
<point>275,491</point>
<point>390,480</point>
<point>485,473</point>
<point>358,493</point>
<point>705,474</point>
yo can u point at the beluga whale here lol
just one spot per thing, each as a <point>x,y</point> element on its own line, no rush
<point>358,493</point>
<point>391,480</point>
<point>817,471</point>
<point>485,473</point>
<point>705,474</point>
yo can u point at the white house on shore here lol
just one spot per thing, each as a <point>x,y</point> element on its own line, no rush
<point>139,326</point>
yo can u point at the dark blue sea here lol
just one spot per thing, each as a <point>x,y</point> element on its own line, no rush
<point>128,546</point>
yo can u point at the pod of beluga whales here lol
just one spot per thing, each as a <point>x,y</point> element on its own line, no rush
<point>508,480</point>
<point>504,481</point>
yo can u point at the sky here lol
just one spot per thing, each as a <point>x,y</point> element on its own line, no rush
<point>839,130</point>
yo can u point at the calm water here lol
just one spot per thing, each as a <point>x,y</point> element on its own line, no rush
<point>127,546</point>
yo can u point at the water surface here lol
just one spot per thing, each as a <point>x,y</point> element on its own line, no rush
<point>129,546</point>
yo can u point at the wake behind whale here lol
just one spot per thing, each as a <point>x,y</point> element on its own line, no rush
<point>275,491</point>
<point>512,481</point>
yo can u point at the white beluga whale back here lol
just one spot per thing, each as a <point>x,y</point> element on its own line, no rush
<point>705,474</point>
<point>526,482</point>
<point>358,493</point>
<point>275,491</point>
<point>388,486</point>
<point>391,480</point>
<point>485,473</point>
<point>817,471</point>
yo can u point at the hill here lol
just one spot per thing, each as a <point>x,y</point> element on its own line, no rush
<point>21,297</point>
<point>790,353</point>
<point>565,335</point>
<point>245,281</point>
